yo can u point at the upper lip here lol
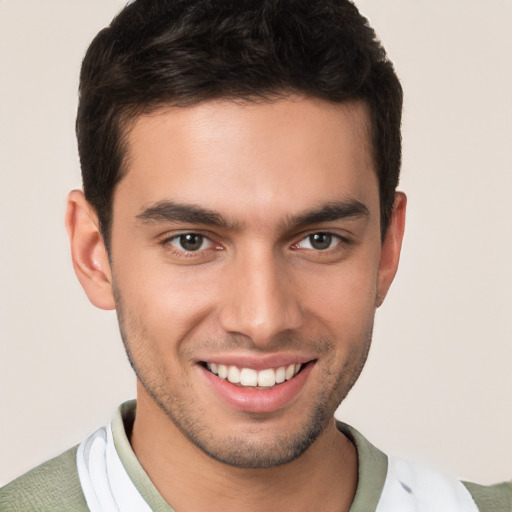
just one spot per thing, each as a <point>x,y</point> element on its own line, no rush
<point>257,362</point>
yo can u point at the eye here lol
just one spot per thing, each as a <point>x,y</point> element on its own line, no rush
<point>319,241</point>
<point>190,242</point>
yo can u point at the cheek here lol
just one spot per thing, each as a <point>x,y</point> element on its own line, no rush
<point>346,300</point>
<point>169,302</point>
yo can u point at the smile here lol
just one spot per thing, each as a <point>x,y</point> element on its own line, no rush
<point>256,386</point>
<point>248,377</point>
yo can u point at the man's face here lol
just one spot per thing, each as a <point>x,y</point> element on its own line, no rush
<point>246,242</point>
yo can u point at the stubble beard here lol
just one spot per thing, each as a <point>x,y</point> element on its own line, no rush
<point>247,450</point>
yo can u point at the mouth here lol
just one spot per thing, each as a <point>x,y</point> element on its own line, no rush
<point>253,387</point>
<point>266,378</point>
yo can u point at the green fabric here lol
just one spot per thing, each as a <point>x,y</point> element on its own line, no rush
<point>54,486</point>
<point>492,498</point>
<point>372,470</point>
<point>122,425</point>
<point>51,487</point>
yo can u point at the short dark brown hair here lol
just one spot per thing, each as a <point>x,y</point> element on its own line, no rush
<point>181,52</point>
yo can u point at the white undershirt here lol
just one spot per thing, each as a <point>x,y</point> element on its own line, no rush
<point>105,482</point>
<point>412,487</point>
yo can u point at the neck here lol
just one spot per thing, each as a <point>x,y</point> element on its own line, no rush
<point>325,474</point>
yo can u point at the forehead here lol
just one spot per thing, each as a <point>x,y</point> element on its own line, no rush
<point>283,155</point>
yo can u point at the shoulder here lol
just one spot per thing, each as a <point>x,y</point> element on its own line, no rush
<point>52,486</point>
<point>391,484</point>
<point>412,486</point>
<point>492,498</point>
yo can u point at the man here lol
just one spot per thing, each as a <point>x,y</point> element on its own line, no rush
<point>240,161</point>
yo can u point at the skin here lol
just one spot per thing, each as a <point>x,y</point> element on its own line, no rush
<point>258,290</point>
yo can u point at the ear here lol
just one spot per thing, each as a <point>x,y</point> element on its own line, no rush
<point>391,246</point>
<point>90,258</point>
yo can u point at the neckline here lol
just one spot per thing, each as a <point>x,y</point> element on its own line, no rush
<point>372,464</point>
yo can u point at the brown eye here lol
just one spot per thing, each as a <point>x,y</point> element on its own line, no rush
<point>189,242</point>
<point>320,241</point>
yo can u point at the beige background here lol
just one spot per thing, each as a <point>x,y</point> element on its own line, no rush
<point>438,384</point>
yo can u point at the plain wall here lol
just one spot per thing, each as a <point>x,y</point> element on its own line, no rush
<point>438,383</point>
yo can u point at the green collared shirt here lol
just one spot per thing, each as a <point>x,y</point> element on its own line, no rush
<point>55,485</point>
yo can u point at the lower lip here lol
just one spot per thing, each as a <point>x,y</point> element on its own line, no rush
<point>254,400</point>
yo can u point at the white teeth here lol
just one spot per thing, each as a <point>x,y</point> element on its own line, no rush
<point>248,377</point>
<point>266,378</point>
<point>223,371</point>
<point>252,378</point>
<point>290,371</point>
<point>234,374</point>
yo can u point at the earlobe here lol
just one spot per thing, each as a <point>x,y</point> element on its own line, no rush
<point>391,247</point>
<point>88,252</point>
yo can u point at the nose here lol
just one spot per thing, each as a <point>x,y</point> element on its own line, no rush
<point>260,300</point>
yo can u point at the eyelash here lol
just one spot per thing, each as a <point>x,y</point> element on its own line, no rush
<point>332,237</point>
<point>182,252</point>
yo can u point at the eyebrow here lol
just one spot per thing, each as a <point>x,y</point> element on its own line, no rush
<point>169,211</point>
<point>329,212</point>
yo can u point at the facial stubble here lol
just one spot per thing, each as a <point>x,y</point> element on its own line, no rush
<point>251,449</point>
